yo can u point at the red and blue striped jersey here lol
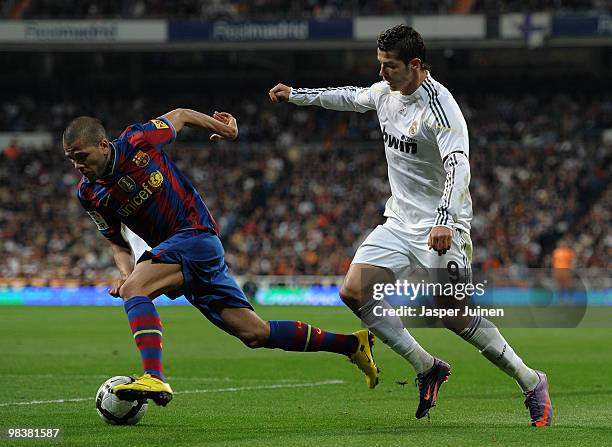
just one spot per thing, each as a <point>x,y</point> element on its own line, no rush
<point>144,189</point>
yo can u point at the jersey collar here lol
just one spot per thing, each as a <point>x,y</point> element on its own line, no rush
<point>427,87</point>
<point>421,92</point>
<point>109,172</point>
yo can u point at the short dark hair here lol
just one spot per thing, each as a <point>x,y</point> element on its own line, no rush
<point>85,128</point>
<point>406,42</point>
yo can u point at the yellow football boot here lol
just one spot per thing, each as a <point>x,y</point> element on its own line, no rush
<point>363,357</point>
<point>145,387</point>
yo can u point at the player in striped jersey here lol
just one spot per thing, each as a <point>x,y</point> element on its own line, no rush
<point>428,214</point>
<point>131,183</point>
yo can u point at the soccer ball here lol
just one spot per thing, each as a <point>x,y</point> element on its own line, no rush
<point>115,411</point>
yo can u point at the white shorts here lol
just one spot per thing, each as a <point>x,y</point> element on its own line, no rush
<point>403,252</point>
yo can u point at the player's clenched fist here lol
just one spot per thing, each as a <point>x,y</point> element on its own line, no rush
<point>440,239</point>
<point>280,93</point>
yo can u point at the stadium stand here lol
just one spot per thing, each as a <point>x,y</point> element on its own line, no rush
<point>236,9</point>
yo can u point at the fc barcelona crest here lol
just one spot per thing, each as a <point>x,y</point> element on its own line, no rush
<point>141,159</point>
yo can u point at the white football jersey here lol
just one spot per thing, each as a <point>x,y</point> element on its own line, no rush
<point>426,144</point>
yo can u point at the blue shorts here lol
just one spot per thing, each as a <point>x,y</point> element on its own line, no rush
<point>208,284</point>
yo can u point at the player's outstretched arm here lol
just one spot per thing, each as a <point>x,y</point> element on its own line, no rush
<point>349,99</point>
<point>222,124</point>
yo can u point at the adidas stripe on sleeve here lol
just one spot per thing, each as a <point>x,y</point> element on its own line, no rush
<point>351,99</point>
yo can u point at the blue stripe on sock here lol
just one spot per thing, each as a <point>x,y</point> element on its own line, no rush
<point>282,335</point>
<point>137,306</point>
<point>151,353</point>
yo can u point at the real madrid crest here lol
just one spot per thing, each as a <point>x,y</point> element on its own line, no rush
<point>412,130</point>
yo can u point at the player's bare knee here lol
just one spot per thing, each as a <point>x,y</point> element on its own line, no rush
<point>130,289</point>
<point>351,296</point>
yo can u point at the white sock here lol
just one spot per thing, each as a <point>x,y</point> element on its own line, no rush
<point>486,337</point>
<point>392,332</point>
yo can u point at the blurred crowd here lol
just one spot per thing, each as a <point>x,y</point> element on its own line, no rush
<point>537,165</point>
<point>592,240</point>
<point>45,233</point>
<point>303,186</point>
<point>241,9</point>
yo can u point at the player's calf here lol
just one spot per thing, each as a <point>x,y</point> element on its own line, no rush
<point>485,336</point>
<point>455,323</point>
<point>244,324</point>
<point>147,332</point>
<point>291,335</point>
<point>300,336</point>
<point>255,337</point>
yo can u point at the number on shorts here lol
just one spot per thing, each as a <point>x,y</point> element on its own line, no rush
<point>453,271</point>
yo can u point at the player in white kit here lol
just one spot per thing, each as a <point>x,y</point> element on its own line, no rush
<point>428,214</point>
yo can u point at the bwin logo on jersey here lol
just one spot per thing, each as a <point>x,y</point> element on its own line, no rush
<point>408,147</point>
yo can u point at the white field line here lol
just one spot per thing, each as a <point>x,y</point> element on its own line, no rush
<point>211,390</point>
<point>263,387</point>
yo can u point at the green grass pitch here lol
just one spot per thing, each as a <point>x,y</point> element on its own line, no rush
<point>228,395</point>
